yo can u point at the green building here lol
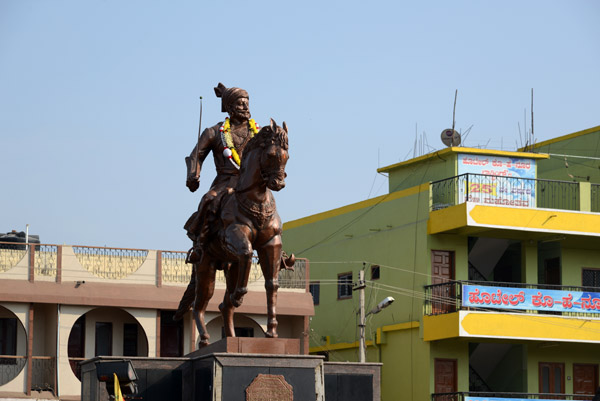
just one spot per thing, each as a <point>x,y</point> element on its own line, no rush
<point>493,258</point>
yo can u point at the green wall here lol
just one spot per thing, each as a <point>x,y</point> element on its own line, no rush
<point>413,174</point>
<point>383,234</point>
<point>582,145</point>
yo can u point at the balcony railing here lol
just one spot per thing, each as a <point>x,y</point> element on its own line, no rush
<point>507,191</point>
<point>43,373</point>
<point>478,396</point>
<point>46,262</point>
<point>448,297</point>
<point>10,367</point>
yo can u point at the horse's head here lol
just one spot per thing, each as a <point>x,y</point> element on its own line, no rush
<point>274,155</point>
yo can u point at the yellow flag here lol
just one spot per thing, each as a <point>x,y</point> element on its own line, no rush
<point>118,395</point>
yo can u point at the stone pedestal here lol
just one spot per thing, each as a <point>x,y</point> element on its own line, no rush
<point>243,369</point>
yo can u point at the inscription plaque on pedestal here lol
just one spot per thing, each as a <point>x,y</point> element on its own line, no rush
<point>269,387</point>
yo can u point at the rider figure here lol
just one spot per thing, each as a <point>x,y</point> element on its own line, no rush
<point>237,132</point>
<point>241,128</point>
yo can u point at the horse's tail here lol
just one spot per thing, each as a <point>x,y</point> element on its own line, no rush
<point>188,297</point>
<point>287,262</point>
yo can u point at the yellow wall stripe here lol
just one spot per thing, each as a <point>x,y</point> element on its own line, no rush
<point>531,327</point>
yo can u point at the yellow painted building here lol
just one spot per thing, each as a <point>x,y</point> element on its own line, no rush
<point>493,258</point>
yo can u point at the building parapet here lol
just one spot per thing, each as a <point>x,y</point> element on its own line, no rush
<point>57,263</point>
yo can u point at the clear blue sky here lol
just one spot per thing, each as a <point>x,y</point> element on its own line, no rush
<point>99,99</point>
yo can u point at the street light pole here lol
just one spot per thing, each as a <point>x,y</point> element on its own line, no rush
<point>362,349</point>
<point>360,287</point>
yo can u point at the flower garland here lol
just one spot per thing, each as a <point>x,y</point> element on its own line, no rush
<point>228,147</point>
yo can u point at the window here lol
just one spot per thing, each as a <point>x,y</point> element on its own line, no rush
<point>375,271</point>
<point>76,347</point>
<point>590,277</point>
<point>345,285</point>
<point>8,336</point>
<point>315,291</point>
<point>8,340</point>
<point>130,339</point>
<point>103,338</point>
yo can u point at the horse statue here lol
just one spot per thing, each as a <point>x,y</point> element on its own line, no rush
<point>247,221</point>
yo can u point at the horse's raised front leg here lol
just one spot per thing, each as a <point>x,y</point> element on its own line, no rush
<point>237,241</point>
<point>270,259</point>
<point>205,287</point>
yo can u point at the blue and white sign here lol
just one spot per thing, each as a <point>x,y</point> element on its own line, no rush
<point>480,296</point>
<point>497,180</point>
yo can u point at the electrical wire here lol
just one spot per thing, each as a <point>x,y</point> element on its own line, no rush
<point>360,216</point>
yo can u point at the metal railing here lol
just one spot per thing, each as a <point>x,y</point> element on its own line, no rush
<point>10,255</point>
<point>43,373</point>
<point>111,263</point>
<point>45,260</point>
<point>296,278</point>
<point>117,263</point>
<point>447,297</point>
<point>10,367</point>
<point>462,396</point>
<point>504,191</point>
<point>174,269</point>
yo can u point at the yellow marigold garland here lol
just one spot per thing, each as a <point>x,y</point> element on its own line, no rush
<point>228,146</point>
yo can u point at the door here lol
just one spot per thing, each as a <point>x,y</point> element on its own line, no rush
<point>552,378</point>
<point>445,378</point>
<point>171,335</point>
<point>585,379</point>
<point>442,274</point>
<point>552,271</point>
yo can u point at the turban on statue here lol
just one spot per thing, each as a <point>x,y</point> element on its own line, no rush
<point>229,95</point>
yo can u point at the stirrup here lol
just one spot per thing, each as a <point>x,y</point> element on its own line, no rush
<point>192,256</point>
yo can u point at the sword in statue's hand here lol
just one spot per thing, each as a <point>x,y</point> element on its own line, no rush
<point>193,179</point>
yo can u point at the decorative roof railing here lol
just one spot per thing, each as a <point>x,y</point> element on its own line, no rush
<point>48,262</point>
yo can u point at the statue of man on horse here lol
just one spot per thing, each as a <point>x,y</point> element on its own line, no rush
<point>237,215</point>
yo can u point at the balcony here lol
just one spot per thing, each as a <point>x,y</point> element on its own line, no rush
<point>511,311</point>
<point>479,396</point>
<point>473,203</point>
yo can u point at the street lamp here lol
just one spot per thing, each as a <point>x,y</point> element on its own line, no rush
<point>360,286</point>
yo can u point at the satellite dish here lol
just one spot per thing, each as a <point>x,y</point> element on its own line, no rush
<point>450,137</point>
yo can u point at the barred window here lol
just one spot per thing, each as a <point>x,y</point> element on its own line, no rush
<point>345,285</point>
<point>315,290</point>
<point>590,277</point>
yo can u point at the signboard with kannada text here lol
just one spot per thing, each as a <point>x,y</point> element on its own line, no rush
<point>479,296</point>
<point>497,180</point>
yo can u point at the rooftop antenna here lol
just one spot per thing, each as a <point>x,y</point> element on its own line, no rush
<point>449,136</point>
<point>416,136</point>
<point>454,109</point>
<point>532,136</point>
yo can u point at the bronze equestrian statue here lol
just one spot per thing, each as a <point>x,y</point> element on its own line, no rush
<point>238,213</point>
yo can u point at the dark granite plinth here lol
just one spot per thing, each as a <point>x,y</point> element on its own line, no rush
<point>211,375</point>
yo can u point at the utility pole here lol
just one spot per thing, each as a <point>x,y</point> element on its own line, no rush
<point>360,286</point>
